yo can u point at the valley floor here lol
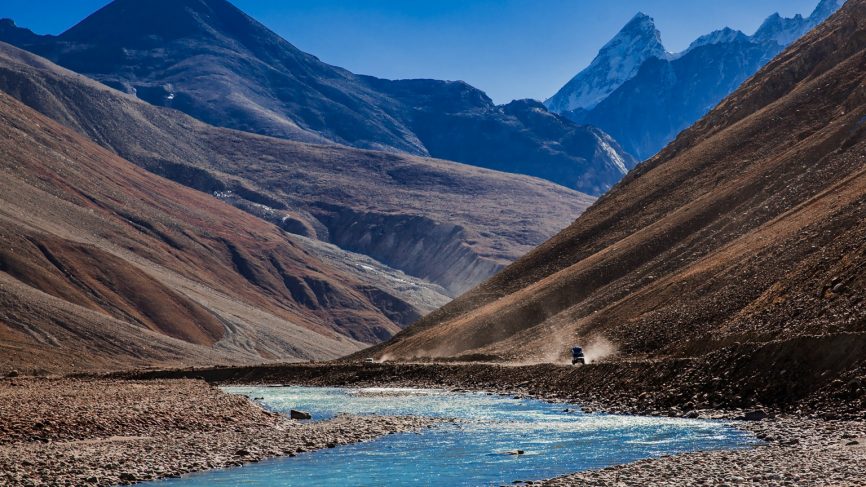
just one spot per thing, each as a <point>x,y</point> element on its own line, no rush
<point>820,445</point>
<point>135,426</point>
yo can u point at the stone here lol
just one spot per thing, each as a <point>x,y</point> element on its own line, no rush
<point>299,415</point>
<point>756,415</point>
<point>128,477</point>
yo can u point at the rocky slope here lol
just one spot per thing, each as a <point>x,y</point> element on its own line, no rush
<point>446,223</point>
<point>210,60</point>
<point>644,96</point>
<point>739,247</point>
<point>105,265</point>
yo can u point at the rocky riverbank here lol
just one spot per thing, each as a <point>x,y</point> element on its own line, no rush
<point>671,388</point>
<point>798,452</point>
<point>107,432</point>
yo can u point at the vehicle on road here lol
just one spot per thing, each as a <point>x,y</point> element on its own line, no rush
<point>577,356</point>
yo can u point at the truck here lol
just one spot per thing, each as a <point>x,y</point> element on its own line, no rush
<point>577,356</point>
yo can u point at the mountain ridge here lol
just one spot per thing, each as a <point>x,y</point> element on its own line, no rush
<point>684,85</point>
<point>209,59</point>
<point>458,214</point>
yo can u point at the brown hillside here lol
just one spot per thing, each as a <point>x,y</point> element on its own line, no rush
<point>103,264</point>
<point>447,223</point>
<point>750,228</point>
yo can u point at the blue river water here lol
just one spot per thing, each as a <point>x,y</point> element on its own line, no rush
<point>470,453</point>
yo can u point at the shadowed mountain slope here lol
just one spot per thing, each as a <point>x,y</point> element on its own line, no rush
<point>749,230</point>
<point>103,264</point>
<point>447,223</point>
<point>212,61</point>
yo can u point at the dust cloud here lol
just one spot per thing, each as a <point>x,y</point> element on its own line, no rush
<point>598,348</point>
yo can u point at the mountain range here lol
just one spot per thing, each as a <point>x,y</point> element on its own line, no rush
<point>124,248</point>
<point>643,95</point>
<point>730,264</point>
<point>212,61</point>
<point>135,233</point>
<point>443,222</point>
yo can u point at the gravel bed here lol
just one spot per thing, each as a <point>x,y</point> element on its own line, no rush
<point>798,452</point>
<point>108,432</point>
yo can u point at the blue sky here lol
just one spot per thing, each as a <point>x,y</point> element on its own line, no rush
<point>509,48</point>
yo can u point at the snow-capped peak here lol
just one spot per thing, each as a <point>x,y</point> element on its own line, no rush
<point>784,31</point>
<point>825,9</point>
<point>719,37</point>
<point>617,62</point>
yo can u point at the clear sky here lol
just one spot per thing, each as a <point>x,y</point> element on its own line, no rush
<point>508,48</point>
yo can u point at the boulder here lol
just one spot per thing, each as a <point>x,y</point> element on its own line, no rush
<point>299,415</point>
<point>128,477</point>
<point>756,415</point>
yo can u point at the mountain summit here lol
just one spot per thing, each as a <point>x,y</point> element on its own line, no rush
<point>209,59</point>
<point>617,62</point>
<point>784,31</point>
<point>644,97</point>
<point>163,20</point>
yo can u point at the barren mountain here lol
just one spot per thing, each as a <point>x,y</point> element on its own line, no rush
<point>103,264</point>
<point>447,223</point>
<point>741,246</point>
<point>212,61</point>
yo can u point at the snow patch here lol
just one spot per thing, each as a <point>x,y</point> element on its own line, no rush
<point>605,143</point>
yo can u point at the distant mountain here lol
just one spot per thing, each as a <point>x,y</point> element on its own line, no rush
<point>212,61</point>
<point>617,62</point>
<point>644,96</point>
<point>445,223</point>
